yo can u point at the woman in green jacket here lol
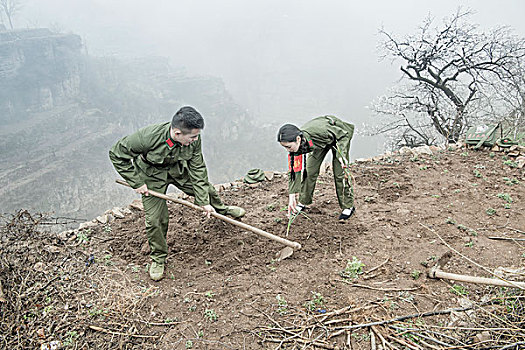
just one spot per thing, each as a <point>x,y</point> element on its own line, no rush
<point>316,138</point>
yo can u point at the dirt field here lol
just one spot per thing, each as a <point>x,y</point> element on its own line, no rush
<point>223,289</point>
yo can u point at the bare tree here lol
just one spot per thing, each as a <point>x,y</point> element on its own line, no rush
<point>10,8</point>
<point>446,68</point>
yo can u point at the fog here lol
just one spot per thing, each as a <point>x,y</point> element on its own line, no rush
<point>281,60</point>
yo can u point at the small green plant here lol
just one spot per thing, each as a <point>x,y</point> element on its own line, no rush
<point>353,269</point>
<point>207,262</point>
<point>192,308</point>
<point>490,211</point>
<point>415,274</point>
<point>445,171</point>
<point>457,191</point>
<point>477,174</point>
<point>505,196</point>
<point>507,206</point>
<point>210,315</point>
<point>292,218</point>
<point>436,196</point>
<point>209,294</point>
<point>200,334</point>
<point>369,199</point>
<point>492,154</point>
<point>511,182</point>
<point>170,320</point>
<point>107,260</point>
<point>450,221</point>
<point>71,338</point>
<point>82,236</point>
<point>459,290</point>
<point>469,244</point>
<point>316,301</point>
<point>270,207</point>
<point>462,227</point>
<point>464,154</point>
<point>277,220</point>
<point>473,232</point>
<point>189,344</point>
<point>396,185</point>
<point>282,305</point>
<point>107,228</point>
<point>423,167</point>
<point>511,163</point>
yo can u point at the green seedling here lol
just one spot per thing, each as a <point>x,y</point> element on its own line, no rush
<point>510,182</point>
<point>277,220</point>
<point>82,236</point>
<point>292,218</point>
<point>459,290</point>
<point>71,338</point>
<point>464,154</point>
<point>505,196</point>
<point>415,274</point>
<point>507,206</point>
<point>316,301</point>
<point>450,221</point>
<point>209,294</point>
<point>469,244</point>
<point>490,211</point>
<point>282,305</point>
<point>270,207</point>
<point>210,315</point>
<point>189,344</point>
<point>477,174</point>
<point>492,154</point>
<point>107,228</point>
<point>353,269</point>
<point>511,163</point>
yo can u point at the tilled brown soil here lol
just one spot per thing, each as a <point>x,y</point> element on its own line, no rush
<point>224,290</point>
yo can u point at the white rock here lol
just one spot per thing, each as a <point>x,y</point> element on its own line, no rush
<point>405,150</point>
<point>117,213</point>
<point>103,219</point>
<point>423,150</point>
<point>86,225</point>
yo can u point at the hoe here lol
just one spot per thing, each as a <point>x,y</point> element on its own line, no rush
<point>281,255</point>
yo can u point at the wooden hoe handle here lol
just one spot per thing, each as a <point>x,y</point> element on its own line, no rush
<point>291,244</point>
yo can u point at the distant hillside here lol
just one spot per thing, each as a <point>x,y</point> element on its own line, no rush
<point>62,110</point>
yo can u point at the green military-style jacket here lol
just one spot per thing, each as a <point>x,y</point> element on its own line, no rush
<point>149,155</point>
<point>323,132</point>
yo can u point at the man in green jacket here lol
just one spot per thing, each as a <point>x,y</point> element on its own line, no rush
<point>316,138</point>
<point>159,155</point>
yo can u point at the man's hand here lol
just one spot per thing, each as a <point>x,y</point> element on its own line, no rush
<point>142,190</point>
<point>292,203</point>
<point>208,209</point>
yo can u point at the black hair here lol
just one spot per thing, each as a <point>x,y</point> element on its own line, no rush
<point>186,119</point>
<point>288,133</point>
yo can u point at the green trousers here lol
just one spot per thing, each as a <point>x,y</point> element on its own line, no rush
<point>157,215</point>
<point>343,187</point>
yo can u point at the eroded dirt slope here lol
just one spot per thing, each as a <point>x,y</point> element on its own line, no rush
<point>224,290</point>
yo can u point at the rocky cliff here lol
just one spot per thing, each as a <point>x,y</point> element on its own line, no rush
<point>62,110</point>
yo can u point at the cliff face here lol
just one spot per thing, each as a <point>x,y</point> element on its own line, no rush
<point>62,110</point>
<point>53,58</point>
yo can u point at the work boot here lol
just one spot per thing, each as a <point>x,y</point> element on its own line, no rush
<point>156,271</point>
<point>345,215</point>
<point>234,212</point>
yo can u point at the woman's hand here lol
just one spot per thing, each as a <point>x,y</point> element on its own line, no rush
<point>292,203</point>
